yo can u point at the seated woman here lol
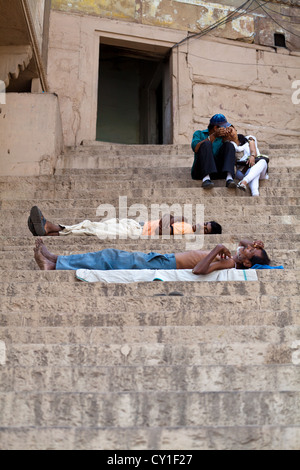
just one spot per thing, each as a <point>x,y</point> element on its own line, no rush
<point>249,172</point>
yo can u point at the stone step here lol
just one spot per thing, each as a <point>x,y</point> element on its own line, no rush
<point>110,149</point>
<point>252,437</point>
<point>146,152</point>
<point>149,176</point>
<point>154,365</point>
<point>72,244</point>
<point>38,288</point>
<point>90,191</point>
<point>129,338</point>
<point>25,239</point>
<point>273,186</point>
<point>177,172</point>
<point>272,234</point>
<point>199,309</point>
<point>17,316</point>
<point>114,378</point>
<point>170,147</point>
<point>89,160</point>
<point>151,409</point>
<point>90,198</point>
<point>146,175</point>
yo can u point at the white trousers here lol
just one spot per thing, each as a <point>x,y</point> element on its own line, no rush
<point>253,175</point>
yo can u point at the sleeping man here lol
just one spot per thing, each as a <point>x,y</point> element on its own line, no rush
<point>201,262</point>
<point>167,225</point>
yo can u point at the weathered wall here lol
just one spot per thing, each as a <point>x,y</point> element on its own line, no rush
<point>30,134</point>
<point>37,8</point>
<point>254,25</point>
<point>251,85</point>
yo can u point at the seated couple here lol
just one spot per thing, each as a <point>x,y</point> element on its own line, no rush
<point>167,225</point>
<point>219,148</point>
<point>201,262</point>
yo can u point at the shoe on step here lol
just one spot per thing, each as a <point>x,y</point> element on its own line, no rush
<point>207,184</point>
<point>230,183</point>
<point>241,186</point>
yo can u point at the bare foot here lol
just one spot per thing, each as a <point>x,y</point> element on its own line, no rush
<point>45,252</point>
<point>43,263</point>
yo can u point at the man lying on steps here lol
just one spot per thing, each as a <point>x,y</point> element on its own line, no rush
<point>167,225</point>
<point>201,262</point>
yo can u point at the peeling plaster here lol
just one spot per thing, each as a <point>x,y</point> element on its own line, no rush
<point>214,6</point>
<point>154,6</point>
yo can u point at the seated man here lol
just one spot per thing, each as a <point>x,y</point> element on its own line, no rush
<point>213,158</point>
<point>202,262</point>
<point>168,224</point>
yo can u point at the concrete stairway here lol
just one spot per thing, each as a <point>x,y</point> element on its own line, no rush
<point>208,365</point>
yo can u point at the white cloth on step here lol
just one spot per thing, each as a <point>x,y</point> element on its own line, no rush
<point>171,275</point>
<point>112,228</point>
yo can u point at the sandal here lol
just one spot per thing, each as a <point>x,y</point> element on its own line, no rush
<point>31,227</point>
<point>241,186</point>
<point>38,221</point>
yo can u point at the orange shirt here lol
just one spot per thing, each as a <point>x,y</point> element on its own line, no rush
<point>179,228</point>
<point>150,227</point>
<point>182,228</point>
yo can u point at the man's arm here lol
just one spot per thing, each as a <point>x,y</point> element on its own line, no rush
<point>208,265</point>
<point>198,138</point>
<point>255,243</point>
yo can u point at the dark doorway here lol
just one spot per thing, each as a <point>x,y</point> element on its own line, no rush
<point>134,96</point>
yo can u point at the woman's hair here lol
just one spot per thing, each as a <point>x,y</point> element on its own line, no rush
<point>243,140</point>
<point>215,227</point>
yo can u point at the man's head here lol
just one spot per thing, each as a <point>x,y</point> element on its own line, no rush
<point>212,227</point>
<point>208,228</point>
<point>250,255</point>
<point>218,120</point>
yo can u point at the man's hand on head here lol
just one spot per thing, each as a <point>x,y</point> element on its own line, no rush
<point>220,132</point>
<point>258,244</point>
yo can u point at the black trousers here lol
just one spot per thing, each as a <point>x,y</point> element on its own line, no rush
<point>205,163</point>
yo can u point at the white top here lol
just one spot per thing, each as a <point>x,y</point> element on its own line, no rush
<point>245,149</point>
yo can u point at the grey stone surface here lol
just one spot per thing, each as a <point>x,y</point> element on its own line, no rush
<point>107,366</point>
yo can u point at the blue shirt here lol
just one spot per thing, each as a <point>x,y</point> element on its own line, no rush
<point>199,136</point>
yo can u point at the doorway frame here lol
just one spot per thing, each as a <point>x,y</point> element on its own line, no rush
<point>154,125</point>
<point>139,37</point>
